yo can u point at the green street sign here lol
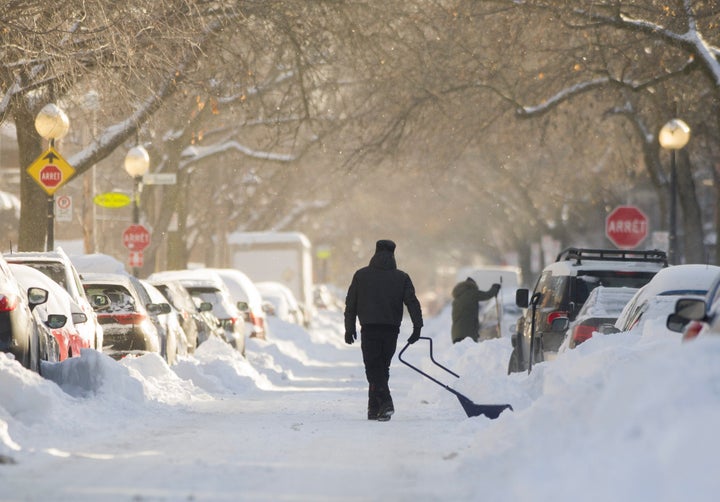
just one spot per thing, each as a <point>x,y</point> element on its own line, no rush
<point>112,199</point>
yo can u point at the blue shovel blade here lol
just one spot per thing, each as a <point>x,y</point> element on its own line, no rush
<point>491,411</point>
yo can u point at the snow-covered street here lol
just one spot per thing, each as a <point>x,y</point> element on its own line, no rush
<point>620,418</point>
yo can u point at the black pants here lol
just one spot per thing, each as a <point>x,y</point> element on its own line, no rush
<point>378,343</point>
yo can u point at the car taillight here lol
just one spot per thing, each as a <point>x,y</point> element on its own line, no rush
<point>129,318</point>
<point>8,302</point>
<point>692,330</point>
<point>554,315</point>
<point>257,321</point>
<point>582,333</point>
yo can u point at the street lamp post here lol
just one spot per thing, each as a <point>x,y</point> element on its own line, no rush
<point>51,123</point>
<point>673,136</point>
<point>137,163</point>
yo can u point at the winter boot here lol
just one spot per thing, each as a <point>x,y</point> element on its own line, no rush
<point>373,403</point>
<point>386,409</point>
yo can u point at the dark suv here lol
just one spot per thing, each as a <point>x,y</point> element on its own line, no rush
<point>563,287</point>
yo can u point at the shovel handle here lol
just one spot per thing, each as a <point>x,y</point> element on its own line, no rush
<point>432,357</point>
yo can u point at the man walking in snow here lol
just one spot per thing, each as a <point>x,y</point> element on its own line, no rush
<point>466,308</point>
<point>376,297</point>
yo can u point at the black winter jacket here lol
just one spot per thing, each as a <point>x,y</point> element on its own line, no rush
<point>377,294</point>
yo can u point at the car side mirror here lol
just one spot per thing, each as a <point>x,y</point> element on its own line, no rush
<point>79,318</point>
<point>692,309</point>
<point>522,298</point>
<point>560,324</point>
<point>676,323</point>
<point>56,321</point>
<point>37,296</point>
<point>158,308</point>
<point>268,308</point>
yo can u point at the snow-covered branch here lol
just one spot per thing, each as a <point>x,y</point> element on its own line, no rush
<point>195,154</point>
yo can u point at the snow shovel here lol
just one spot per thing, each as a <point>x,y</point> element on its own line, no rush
<point>471,409</point>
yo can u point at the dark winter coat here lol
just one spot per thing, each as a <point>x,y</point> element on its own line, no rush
<point>465,309</point>
<point>378,292</point>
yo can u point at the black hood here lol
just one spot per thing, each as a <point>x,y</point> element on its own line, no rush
<point>384,257</point>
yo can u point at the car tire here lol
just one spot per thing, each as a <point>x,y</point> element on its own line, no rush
<point>515,364</point>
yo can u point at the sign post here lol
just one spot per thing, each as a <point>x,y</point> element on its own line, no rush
<point>136,238</point>
<point>50,171</point>
<point>626,227</point>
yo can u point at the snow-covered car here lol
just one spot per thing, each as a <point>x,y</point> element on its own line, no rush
<point>59,302</point>
<point>197,323</point>
<point>561,291</point>
<point>282,300</point>
<point>126,319</point>
<point>657,299</point>
<point>602,308</point>
<point>206,286</point>
<point>57,265</point>
<point>20,333</point>
<point>694,316</point>
<point>173,341</point>
<point>247,299</point>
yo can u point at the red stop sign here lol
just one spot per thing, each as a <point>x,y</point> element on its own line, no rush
<point>136,238</point>
<point>626,227</point>
<point>50,176</point>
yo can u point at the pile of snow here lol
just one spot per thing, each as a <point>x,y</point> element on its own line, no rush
<point>621,417</point>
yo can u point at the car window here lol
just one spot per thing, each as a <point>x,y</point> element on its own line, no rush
<point>552,289</point>
<point>120,298</point>
<point>588,280</point>
<point>212,296</point>
<point>54,270</point>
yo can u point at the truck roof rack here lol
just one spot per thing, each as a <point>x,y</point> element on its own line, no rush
<point>580,254</point>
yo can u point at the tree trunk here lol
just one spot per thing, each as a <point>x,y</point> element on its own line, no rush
<point>33,199</point>
<point>693,237</point>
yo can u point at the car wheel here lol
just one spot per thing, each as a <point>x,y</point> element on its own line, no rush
<point>515,364</point>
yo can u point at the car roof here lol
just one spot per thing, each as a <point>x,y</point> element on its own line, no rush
<point>106,278</point>
<point>680,280</point>
<point>191,278</point>
<point>570,261</point>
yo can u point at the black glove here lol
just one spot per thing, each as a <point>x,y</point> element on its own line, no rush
<point>494,289</point>
<point>350,338</point>
<point>415,335</point>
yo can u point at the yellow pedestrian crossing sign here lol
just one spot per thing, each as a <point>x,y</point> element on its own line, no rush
<point>50,170</point>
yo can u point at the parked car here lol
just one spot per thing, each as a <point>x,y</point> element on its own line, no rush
<point>282,302</point>
<point>57,265</point>
<point>198,323</point>
<point>206,286</point>
<point>602,308</point>
<point>246,298</point>
<point>173,341</point>
<point>69,340</point>
<point>126,319</point>
<point>695,317</point>
<point>20,331</point>
<point>561,291</point>
<point>658,298</point>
